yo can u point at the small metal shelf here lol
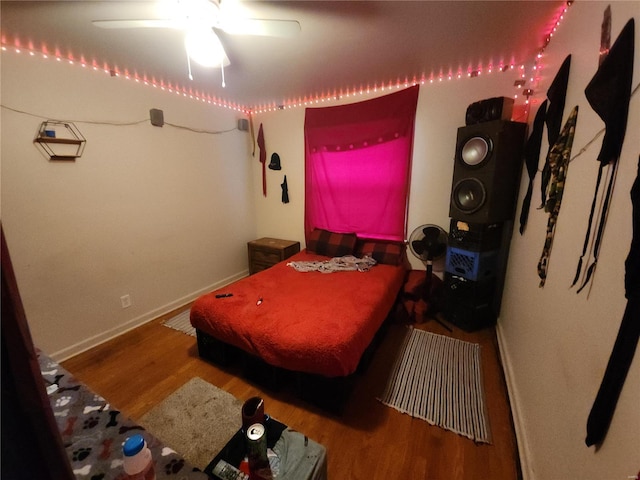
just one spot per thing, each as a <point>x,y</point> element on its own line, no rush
<point>53,136</point>
<point>65,158</point>
<point>69,141</point>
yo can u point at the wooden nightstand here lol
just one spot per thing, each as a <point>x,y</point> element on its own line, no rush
<point>266,252</point>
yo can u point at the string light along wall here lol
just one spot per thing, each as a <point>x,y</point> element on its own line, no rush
<point>528,77</point>
<point>115,72</point>
<point>534,74</point>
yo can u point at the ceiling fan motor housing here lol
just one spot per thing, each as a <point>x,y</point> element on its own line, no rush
<point>488,164</point>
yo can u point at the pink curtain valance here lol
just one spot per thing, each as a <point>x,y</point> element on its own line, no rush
<point>362,124</point>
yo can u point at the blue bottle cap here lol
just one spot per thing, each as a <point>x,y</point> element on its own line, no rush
<point>133,445</point>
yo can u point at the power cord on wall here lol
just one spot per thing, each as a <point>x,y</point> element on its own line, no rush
<point>121,124</point>
<point>195,130</point>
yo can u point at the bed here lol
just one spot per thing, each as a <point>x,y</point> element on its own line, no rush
<point>318,326</point>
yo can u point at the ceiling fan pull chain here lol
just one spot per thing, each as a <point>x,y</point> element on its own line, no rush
<point>186,51</point>
<point>189,66</point>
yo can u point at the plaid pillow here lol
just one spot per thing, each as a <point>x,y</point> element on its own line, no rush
<point>387,253</point>
<point>331,244</point>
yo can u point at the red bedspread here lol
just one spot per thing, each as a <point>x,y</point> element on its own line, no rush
<point>309,322</point>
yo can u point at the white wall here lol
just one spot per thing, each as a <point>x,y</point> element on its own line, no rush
<point>160,214</point>
<point>283,135</point>
<point>555,344</point>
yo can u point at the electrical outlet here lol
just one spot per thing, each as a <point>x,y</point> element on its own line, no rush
<point>125,300</point>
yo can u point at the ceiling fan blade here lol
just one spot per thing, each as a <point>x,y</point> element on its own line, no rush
<point>260,27</point>
<point>148,23</point>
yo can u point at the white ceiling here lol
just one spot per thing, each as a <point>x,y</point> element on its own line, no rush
<point>343,45</point>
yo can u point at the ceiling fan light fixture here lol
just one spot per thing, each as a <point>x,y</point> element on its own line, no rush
<point>204,47</point>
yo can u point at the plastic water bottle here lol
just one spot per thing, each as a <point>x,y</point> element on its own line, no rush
<point>138,464</point>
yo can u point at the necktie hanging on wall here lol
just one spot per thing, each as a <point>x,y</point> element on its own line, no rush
<point>608,94</point>
<point>263,160</point>
<point>628,335</point>
<point>558,161</point>
<point>532,157</point>
<point>556,94</point>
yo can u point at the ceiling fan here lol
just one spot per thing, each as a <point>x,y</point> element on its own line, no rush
<point>199,19</point>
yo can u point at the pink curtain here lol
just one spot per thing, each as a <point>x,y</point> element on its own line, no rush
<point>358,166</point>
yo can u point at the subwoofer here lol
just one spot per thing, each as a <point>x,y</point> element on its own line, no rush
<point>486,175</point>
<point>470,305</point>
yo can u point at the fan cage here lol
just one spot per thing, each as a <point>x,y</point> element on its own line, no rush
<point>417,234</point>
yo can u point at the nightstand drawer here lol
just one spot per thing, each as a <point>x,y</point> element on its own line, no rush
<point>262,256</point>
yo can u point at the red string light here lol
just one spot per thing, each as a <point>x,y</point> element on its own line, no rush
<point>336,94</point>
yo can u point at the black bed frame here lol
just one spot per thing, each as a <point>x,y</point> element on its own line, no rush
<point>327,393</point>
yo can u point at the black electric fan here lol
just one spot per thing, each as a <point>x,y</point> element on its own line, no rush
<point>428,243</point>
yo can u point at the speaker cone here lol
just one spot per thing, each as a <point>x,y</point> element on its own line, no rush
<point>469,195</point>
<point>475,151</point>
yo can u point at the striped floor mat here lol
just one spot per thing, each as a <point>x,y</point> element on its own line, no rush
<point>181,323</point>
<point>439,379</point>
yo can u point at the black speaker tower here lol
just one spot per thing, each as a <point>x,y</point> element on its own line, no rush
<point>488,165</point>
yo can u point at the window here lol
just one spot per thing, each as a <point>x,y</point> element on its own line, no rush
<point>358,166</point>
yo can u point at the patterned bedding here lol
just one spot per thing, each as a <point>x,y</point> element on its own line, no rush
<point>93,431</point>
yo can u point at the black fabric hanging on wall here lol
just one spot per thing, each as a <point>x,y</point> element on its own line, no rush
<point>531,158</point>
<point>285,190</point>
<point>627,340</point>
<point>609,93</point>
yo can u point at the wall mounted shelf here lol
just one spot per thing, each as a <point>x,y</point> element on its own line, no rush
<point>60,140</point>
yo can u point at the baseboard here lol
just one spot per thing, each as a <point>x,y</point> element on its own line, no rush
<point>94,341</point>
<point>518,421</point>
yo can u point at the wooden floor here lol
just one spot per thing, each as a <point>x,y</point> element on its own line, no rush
<point>368,440</point>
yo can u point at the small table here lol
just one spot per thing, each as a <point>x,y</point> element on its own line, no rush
<point>298,457</point>
<point>266,252</point>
